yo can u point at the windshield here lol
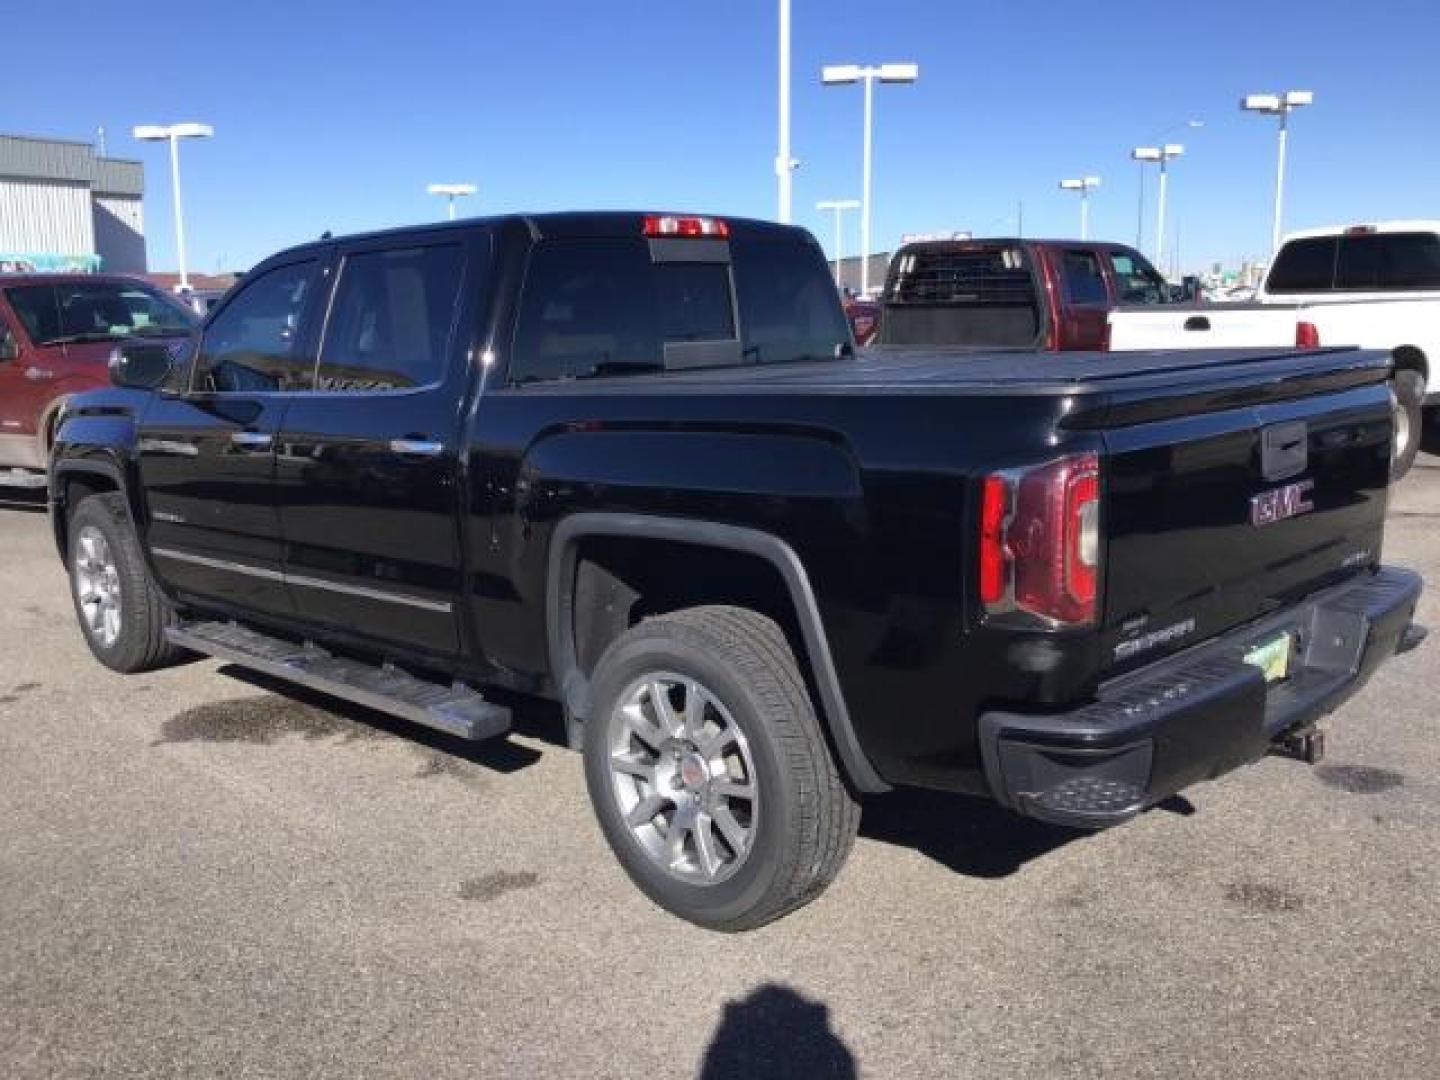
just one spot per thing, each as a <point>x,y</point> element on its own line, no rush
<point>77,311</point>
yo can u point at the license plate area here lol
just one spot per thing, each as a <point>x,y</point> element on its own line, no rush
<point>1272,656</point>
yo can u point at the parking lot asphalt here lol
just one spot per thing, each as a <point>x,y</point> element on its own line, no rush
<point>200,877</point>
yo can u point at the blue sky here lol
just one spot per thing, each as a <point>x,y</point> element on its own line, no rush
<point>336,115</point>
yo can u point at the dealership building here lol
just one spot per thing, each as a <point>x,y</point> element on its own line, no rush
<point>65,207</point>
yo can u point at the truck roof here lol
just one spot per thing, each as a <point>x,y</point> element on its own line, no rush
<point>1403,225</point>
<point>554,224</point>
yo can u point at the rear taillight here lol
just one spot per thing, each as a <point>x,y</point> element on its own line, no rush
<point>1307,335</point>
<point>994,561</point>
<point>688,226</point>
<point>1105,337</point>
<point>1039,550</point>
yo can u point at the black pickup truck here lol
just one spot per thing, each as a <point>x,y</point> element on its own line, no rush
<point>634,464</point>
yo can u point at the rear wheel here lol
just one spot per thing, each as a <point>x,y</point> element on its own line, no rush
<point>122,614</point>
<point>1409,420</point>
<point>708,770</point>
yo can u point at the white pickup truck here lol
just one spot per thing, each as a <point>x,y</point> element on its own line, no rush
<point>1376,285</point>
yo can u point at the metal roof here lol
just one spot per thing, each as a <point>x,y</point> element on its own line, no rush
<point>25,157</point>
<point>116,176</point>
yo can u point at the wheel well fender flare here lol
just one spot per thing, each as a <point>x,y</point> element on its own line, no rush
<point>574,686</point>
<point>62,471</point>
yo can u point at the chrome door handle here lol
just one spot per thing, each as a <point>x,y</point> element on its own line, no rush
<point>417,447</point>
<point>252,440</point>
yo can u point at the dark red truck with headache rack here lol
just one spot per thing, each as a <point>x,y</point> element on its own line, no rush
<point>1012,293</point>
<point>632,463</point>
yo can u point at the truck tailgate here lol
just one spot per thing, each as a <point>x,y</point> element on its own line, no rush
<point>1216,515</point>
<point>1210,326</point>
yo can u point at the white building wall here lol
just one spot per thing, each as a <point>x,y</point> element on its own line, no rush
<point>45,217</point>
<point>120,233</point>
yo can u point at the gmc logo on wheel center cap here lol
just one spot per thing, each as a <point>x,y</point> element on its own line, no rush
<point>1280,503</point>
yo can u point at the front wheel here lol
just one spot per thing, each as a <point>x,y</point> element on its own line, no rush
<point>122,613</point>
<point>708,770</point>
<point>1409,420</point>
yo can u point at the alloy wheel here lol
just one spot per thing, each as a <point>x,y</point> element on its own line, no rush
<point>97,586</point>
<point>683,778</point>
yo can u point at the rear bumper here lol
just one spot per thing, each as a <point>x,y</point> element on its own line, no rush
<point>1198,715</point>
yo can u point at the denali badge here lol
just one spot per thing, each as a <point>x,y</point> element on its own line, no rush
<point>1280,503</point>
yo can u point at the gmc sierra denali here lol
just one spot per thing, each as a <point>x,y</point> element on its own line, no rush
<point>632,462</point>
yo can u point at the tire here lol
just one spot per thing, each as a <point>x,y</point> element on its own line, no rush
<point>717,669</point>
<point>108,575</point>
<point>1409,420</point>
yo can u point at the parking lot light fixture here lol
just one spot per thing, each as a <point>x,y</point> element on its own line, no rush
<point>844,74</point>
<point>1162,155</point>
<point>1083,185</point>
<point>1278,105</point>
<point>838,207</point>
<point>451,193</point>
<point>173,133</point>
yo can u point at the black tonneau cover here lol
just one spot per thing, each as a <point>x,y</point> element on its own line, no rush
<point>896,370</point>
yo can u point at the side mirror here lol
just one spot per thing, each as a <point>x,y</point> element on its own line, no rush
<point>9,347</point>
<point>140,366</point>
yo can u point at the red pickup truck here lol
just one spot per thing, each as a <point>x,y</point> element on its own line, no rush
<point>56,334</point>
<point>1035,294</point>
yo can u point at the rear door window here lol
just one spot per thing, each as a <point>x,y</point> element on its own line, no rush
<point>389,325</point>
<point>1304,266</point>
<point>1081,279</point>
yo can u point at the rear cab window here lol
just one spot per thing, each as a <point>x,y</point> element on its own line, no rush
<point>1385,262</point>
<point>622,305</point>
<point>1304,266</point>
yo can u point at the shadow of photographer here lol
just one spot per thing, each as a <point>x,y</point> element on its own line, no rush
<point>775,1034</point>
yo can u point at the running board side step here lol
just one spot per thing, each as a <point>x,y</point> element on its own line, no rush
<point>455,709</point>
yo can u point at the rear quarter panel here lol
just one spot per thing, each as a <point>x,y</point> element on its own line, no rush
<point>1381,324</point>
<point>879,516</point>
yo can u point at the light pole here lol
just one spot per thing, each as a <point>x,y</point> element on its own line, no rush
<point>173,133</point>
<point>843,74</point>
<point>451,193</point>
<point>1140,203</point>
<point>784,163</point>
<point>839,206</point>
<point>1084,186</point>
<point>1164,155</point>
<point>1281,105</point>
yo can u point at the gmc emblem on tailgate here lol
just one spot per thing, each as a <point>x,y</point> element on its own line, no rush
<point>1280,503</point>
